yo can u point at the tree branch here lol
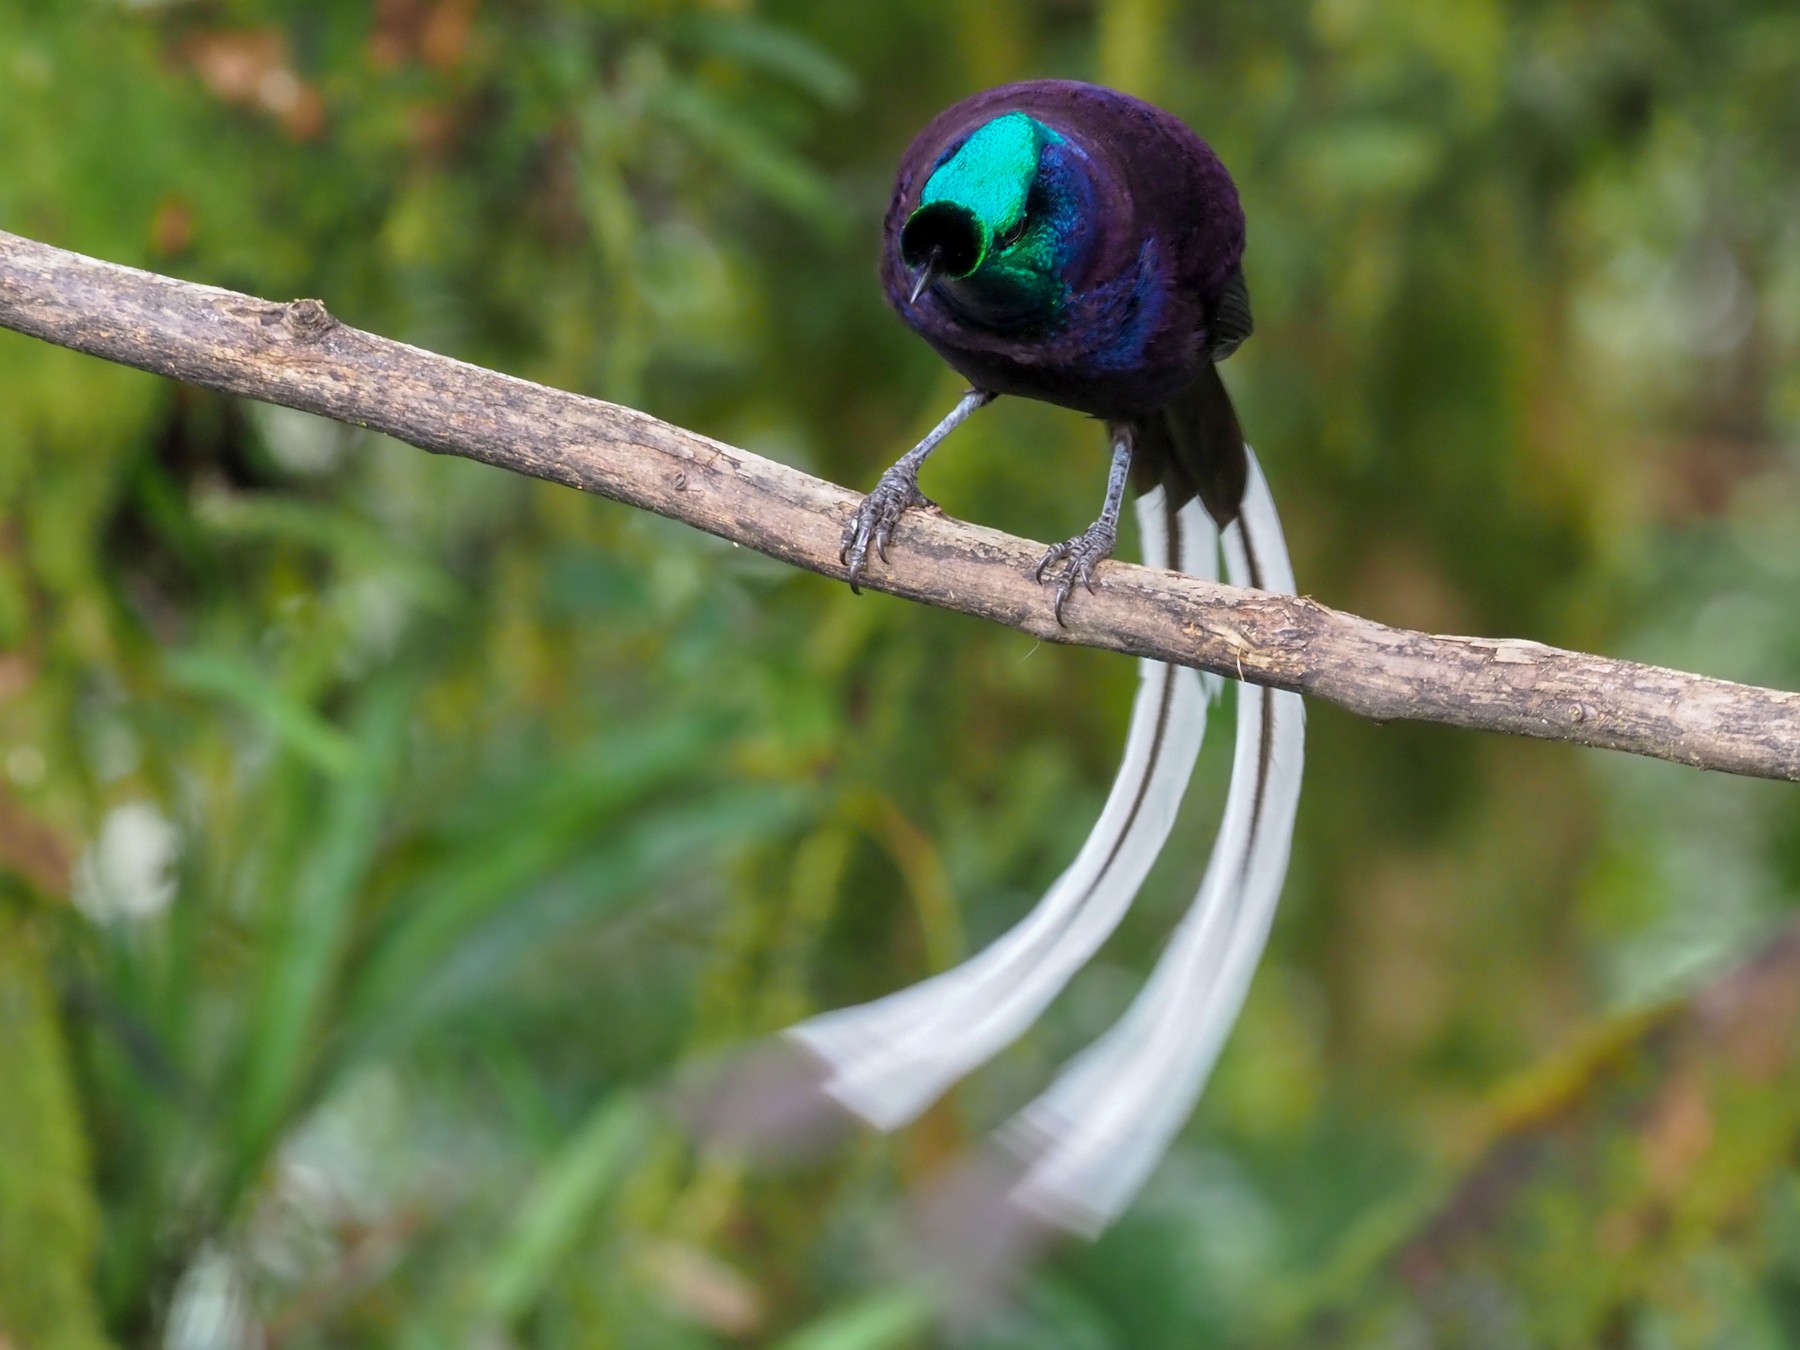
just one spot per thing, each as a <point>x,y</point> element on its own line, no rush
<point>298,355</point>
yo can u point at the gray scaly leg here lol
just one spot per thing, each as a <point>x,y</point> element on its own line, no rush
<point>1087,550</point>
<point>872,523</point>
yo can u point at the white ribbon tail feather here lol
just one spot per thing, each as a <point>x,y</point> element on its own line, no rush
<point>1091,1140</point>
<point>888,1060</point>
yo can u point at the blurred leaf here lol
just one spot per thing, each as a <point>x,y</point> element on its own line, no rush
<point>344,539</point>
<point>759,45</point>
<point>560,1204</point>
<point>311,927</point>
<point>742,150</point>
<point>875,1323</point>
<point>647,853</point>
<point>49,1222</point>
<point>300,730</point>
<point>514,837</point>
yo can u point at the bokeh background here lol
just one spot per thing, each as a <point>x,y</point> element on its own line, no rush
<point>378,833</point>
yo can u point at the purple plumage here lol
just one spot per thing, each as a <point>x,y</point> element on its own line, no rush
<point>1145,290</point>
<point>1074,245</point>
<point>1165,235</point>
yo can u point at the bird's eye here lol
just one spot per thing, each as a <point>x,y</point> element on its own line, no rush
<point>1037,204</point>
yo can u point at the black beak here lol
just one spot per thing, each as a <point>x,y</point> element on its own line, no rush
<point>934,267</point>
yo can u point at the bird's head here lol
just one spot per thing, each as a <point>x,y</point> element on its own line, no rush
<point>999,222</point>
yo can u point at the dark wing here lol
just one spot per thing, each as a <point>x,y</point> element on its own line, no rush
<point>1194,447</point>
<point>1230,320</point>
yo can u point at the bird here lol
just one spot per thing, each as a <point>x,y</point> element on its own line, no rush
<point>1065,242</point>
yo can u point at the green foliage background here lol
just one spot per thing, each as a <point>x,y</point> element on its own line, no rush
<point>377,833</point>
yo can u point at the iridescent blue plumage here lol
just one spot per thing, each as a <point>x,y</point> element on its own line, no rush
<point>1075,245</point>
<point>1134,218</point>
<point>1072,244</point>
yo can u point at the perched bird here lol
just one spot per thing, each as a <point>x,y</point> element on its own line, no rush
<point>1068,243</point>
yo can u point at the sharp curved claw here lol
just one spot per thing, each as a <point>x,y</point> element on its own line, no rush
<point>871,525</point>
<point>1079,557</point>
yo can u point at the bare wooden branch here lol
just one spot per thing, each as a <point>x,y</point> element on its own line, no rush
<point>298,355</point>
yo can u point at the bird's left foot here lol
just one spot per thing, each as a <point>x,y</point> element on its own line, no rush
<point>1079,557</point>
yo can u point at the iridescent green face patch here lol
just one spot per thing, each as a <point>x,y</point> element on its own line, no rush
<point>999,221</point>
<point>991,175</point>
<point>978,196</point>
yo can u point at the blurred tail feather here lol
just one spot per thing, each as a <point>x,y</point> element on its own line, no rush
<point>892,1058</point>
<point>1096,1134</point>
<point>1082,1150</point>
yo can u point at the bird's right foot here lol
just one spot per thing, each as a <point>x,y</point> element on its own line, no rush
<point>871,525</point>
<point>1078,557</point>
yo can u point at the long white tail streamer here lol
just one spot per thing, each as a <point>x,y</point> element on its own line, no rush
<point>1095,1135</point>
<point>892,1058</point>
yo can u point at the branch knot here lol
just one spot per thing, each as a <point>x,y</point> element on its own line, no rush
<point>308,320</point>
